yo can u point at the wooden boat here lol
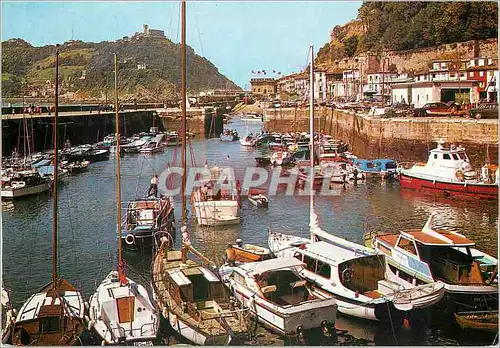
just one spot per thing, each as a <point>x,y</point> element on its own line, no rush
<point>478,320</point>
<point>427,255</point>
<point>279,298</point>
<point>56,314</point>
<point>77,167</point>
<point>250,252</point>
<point>120,309</point>
<point>8,316</point>
<point>448,171</point>
<point>194,300</point>
<point>259,200</point>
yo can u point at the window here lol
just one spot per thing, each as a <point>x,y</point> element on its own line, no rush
<point>407,245</point>
<point>435,156</point>
<point>323,270</point>
<point>426,97</point>
<point>50,324</point>
<point>471,74</point>
<point>238,278</point>
<point>298,256</point>
<point>446,156</point>
<point>481,73</point>
<point>455,156</point>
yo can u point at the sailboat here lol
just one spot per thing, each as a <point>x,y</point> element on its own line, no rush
<point>56,314</point>
<point>352,273</point>
<point>120,310</point>
<point>192,298</point>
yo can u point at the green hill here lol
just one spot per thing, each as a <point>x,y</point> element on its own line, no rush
<point>87,68</point>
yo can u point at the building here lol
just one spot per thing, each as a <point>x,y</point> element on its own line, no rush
<point>335,84</point>
<point>378,84</point>
<point>263,86</point>
<point>286,86</point>
<point>485,71</point>
<point>320,89</point>
<point>147,32</point>
<point>351,84</point>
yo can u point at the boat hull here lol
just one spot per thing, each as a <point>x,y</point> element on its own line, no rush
<point>13,193</point>
<point>466,190</point>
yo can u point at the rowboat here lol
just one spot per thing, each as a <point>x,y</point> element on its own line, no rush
<point>482,320</point>
<point>250,252</point>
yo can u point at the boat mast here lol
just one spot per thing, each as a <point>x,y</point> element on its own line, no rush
<point>313,219</point>
<point>183,110</point>
<point>118,184</point>
<point>54,185</point>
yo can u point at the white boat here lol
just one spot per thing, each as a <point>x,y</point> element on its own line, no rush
<point>350,272</point>
<point>120,309</point>
<point>281,158</point>
<point>279,297</point>
<point>122,313</point>
<point>248,140</point>
<point>8,316</point>
<point>154,145</point>
<point>426,255</point>
<point>24,183</point>
<point>217,204</point>
<point>251,116</point>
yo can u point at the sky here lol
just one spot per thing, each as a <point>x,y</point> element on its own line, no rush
<point>237,37</point>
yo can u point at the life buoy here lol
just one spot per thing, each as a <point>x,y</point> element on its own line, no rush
<point>130,239</point>
<point>459,174</point>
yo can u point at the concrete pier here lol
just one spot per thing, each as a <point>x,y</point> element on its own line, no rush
<point>402,138</point>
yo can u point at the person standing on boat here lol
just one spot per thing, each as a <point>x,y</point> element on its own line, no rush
<point>231,255</point>
<point>153,188</point>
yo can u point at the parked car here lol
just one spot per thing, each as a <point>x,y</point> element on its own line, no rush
<point>484,110</point>
<point>437,109</point>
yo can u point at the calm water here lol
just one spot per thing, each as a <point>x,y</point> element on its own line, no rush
<point>87,239</point>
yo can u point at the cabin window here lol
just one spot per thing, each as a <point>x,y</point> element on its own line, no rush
<point>407,245</point>
<point>323,270</point>
<point>298,256</point>
<point>446,156</point>
<point>455,157</point>
<point>405,276</point>
<point>238,278</point>
<point>462,155</point>
<point>435,156</point>
<point>310,263</point>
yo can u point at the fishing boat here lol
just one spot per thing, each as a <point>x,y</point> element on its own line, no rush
<point>17,184</point>
<point>448,171</point>
<point>87,154</point>
<point>349,272</point>
<point>8,316</point>
<point>145,216</point>
<point>482,321</point>
<point>217,202</point>
<point>120,309</point>
<point>426,255</point>
<point>250,252</point>
<point>279,298</point>
<point>281,158</point>
<point>55,315</point>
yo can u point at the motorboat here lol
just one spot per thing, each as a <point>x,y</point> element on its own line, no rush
<point>193,299</point>
<point>281,158</point>
<point>229,135</point>
<point>217,202</point>
<point>382,168</point>
<point>259,200</point>
<point>251,116</point>
<point>136,145</point>
<point>448,171</point>
<point>421,256</point>
<point>8,316</point>
<point>248,140</point>
<point>87,154</point>
<point>17,184</point>
<point>278,297</point>
<point>154,145</point>
<point>145,216</point>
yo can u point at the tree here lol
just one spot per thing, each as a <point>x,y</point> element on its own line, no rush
<point>350,45</point>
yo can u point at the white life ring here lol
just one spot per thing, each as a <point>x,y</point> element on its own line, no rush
<point>130,239</point>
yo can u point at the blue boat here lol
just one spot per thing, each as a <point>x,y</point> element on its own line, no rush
<point>378,167</point>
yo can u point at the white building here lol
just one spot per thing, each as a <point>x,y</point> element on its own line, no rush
<point>351,83</point>
<point>320,90</point>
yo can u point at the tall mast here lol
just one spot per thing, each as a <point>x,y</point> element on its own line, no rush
<point>312,214</point>
<point>183,109</point>
<point>118,185</point>
<point>54,205</point>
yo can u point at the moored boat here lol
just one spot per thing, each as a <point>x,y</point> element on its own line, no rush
<point>448,171</point>
<point>259,200</point>
<point>279,297</point>
<point>24,183</point>
<point>281,158</point>
<point>478,320</point>
<point>250,252</point>
<point>8,316</point>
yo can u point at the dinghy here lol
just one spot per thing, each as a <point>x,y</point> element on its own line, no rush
<point>259,200</point>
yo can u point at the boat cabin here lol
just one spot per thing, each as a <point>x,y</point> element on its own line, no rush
<point>450,158</point>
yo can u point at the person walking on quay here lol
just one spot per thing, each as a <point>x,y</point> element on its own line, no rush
<point>153,188</point>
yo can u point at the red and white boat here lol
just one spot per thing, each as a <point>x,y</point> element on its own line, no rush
<point>448,171</point>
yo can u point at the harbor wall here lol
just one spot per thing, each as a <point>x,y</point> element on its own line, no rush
<point>204,122</point>
<point>403,139</point>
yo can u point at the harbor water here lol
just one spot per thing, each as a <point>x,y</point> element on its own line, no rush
<point>87,229</point>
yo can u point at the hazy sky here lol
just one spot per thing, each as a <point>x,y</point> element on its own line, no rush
<point>237,37</point>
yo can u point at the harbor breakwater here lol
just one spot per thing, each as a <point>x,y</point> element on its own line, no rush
<point>403,138</point>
